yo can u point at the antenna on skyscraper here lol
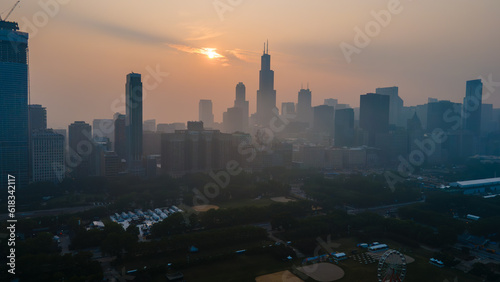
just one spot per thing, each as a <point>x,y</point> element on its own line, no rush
<point>264,47</point>
<point>267,46</point>
<point>308,85</point>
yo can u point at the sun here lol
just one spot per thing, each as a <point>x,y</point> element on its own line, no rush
<point>211,53</point>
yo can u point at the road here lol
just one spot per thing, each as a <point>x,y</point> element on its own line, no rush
<point>383,208</point>
<point>52,212</point>
<point>270,234</point>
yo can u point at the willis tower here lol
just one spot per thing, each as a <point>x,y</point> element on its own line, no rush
<point>266,95</point>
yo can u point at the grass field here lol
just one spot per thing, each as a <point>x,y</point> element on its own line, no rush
<point>246,203</point>
<point>242,268</point>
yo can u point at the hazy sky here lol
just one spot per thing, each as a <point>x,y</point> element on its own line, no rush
<point>81,52</point>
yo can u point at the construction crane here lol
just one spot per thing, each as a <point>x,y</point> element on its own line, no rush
<point>10,12</point>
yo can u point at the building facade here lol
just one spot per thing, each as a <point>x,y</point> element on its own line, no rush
<point>133,121</point>
<point>47,155</point>
<point>14,132</point>
<point>374,115</point>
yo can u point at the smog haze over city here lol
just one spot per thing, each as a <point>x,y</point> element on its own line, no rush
<point>236,140</point>
<point>428,49</point>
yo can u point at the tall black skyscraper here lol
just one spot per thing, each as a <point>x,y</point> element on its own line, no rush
<point>374,115</point>
<point>266,95</point>
<point>133,120</point>
<point>437,116</point>
<point>472,106</point>
<point>240,102</point>
<point>120,144</point>
<point>344,127</point>
<point>304,108</point>
<point>14,138</point>
<point>80,148</point>
<point>324,119</point>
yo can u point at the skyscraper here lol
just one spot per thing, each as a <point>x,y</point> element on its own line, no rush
<point>133,121</point>
<point>374,115</point>
<point>324,119</point>
<point>304,108</point>
<point>233,120</point>
<point>266,95</point>
<point>14,138</point>
<point>240,102</point>
<point>437,117</point>
<point>205,113</point>
<point>38,117</point>
<point>395,104</point>
<point>344,127</point>
<point>472,106</point>
<point>80,147</point>
<point>120,144</point>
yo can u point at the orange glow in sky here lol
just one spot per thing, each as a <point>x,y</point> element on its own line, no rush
<point>80,56</point>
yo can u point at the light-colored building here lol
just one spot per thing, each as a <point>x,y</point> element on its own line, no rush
<point>47,156</point>
<point>479,186</point>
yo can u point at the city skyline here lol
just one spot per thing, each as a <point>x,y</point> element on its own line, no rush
<point>143,140</point>
<point>306,52</point>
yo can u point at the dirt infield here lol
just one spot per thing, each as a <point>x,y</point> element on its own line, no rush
<point>409,259</point>
<point>322,272</point>
<point>282,276</point>
<point>204,208</point>
<point>282,199</point>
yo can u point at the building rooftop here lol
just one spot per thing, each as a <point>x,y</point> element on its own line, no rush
<point>475,183</point>
<point>9,25</point>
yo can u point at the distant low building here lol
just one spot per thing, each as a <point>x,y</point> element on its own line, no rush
<point>479,186</point>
